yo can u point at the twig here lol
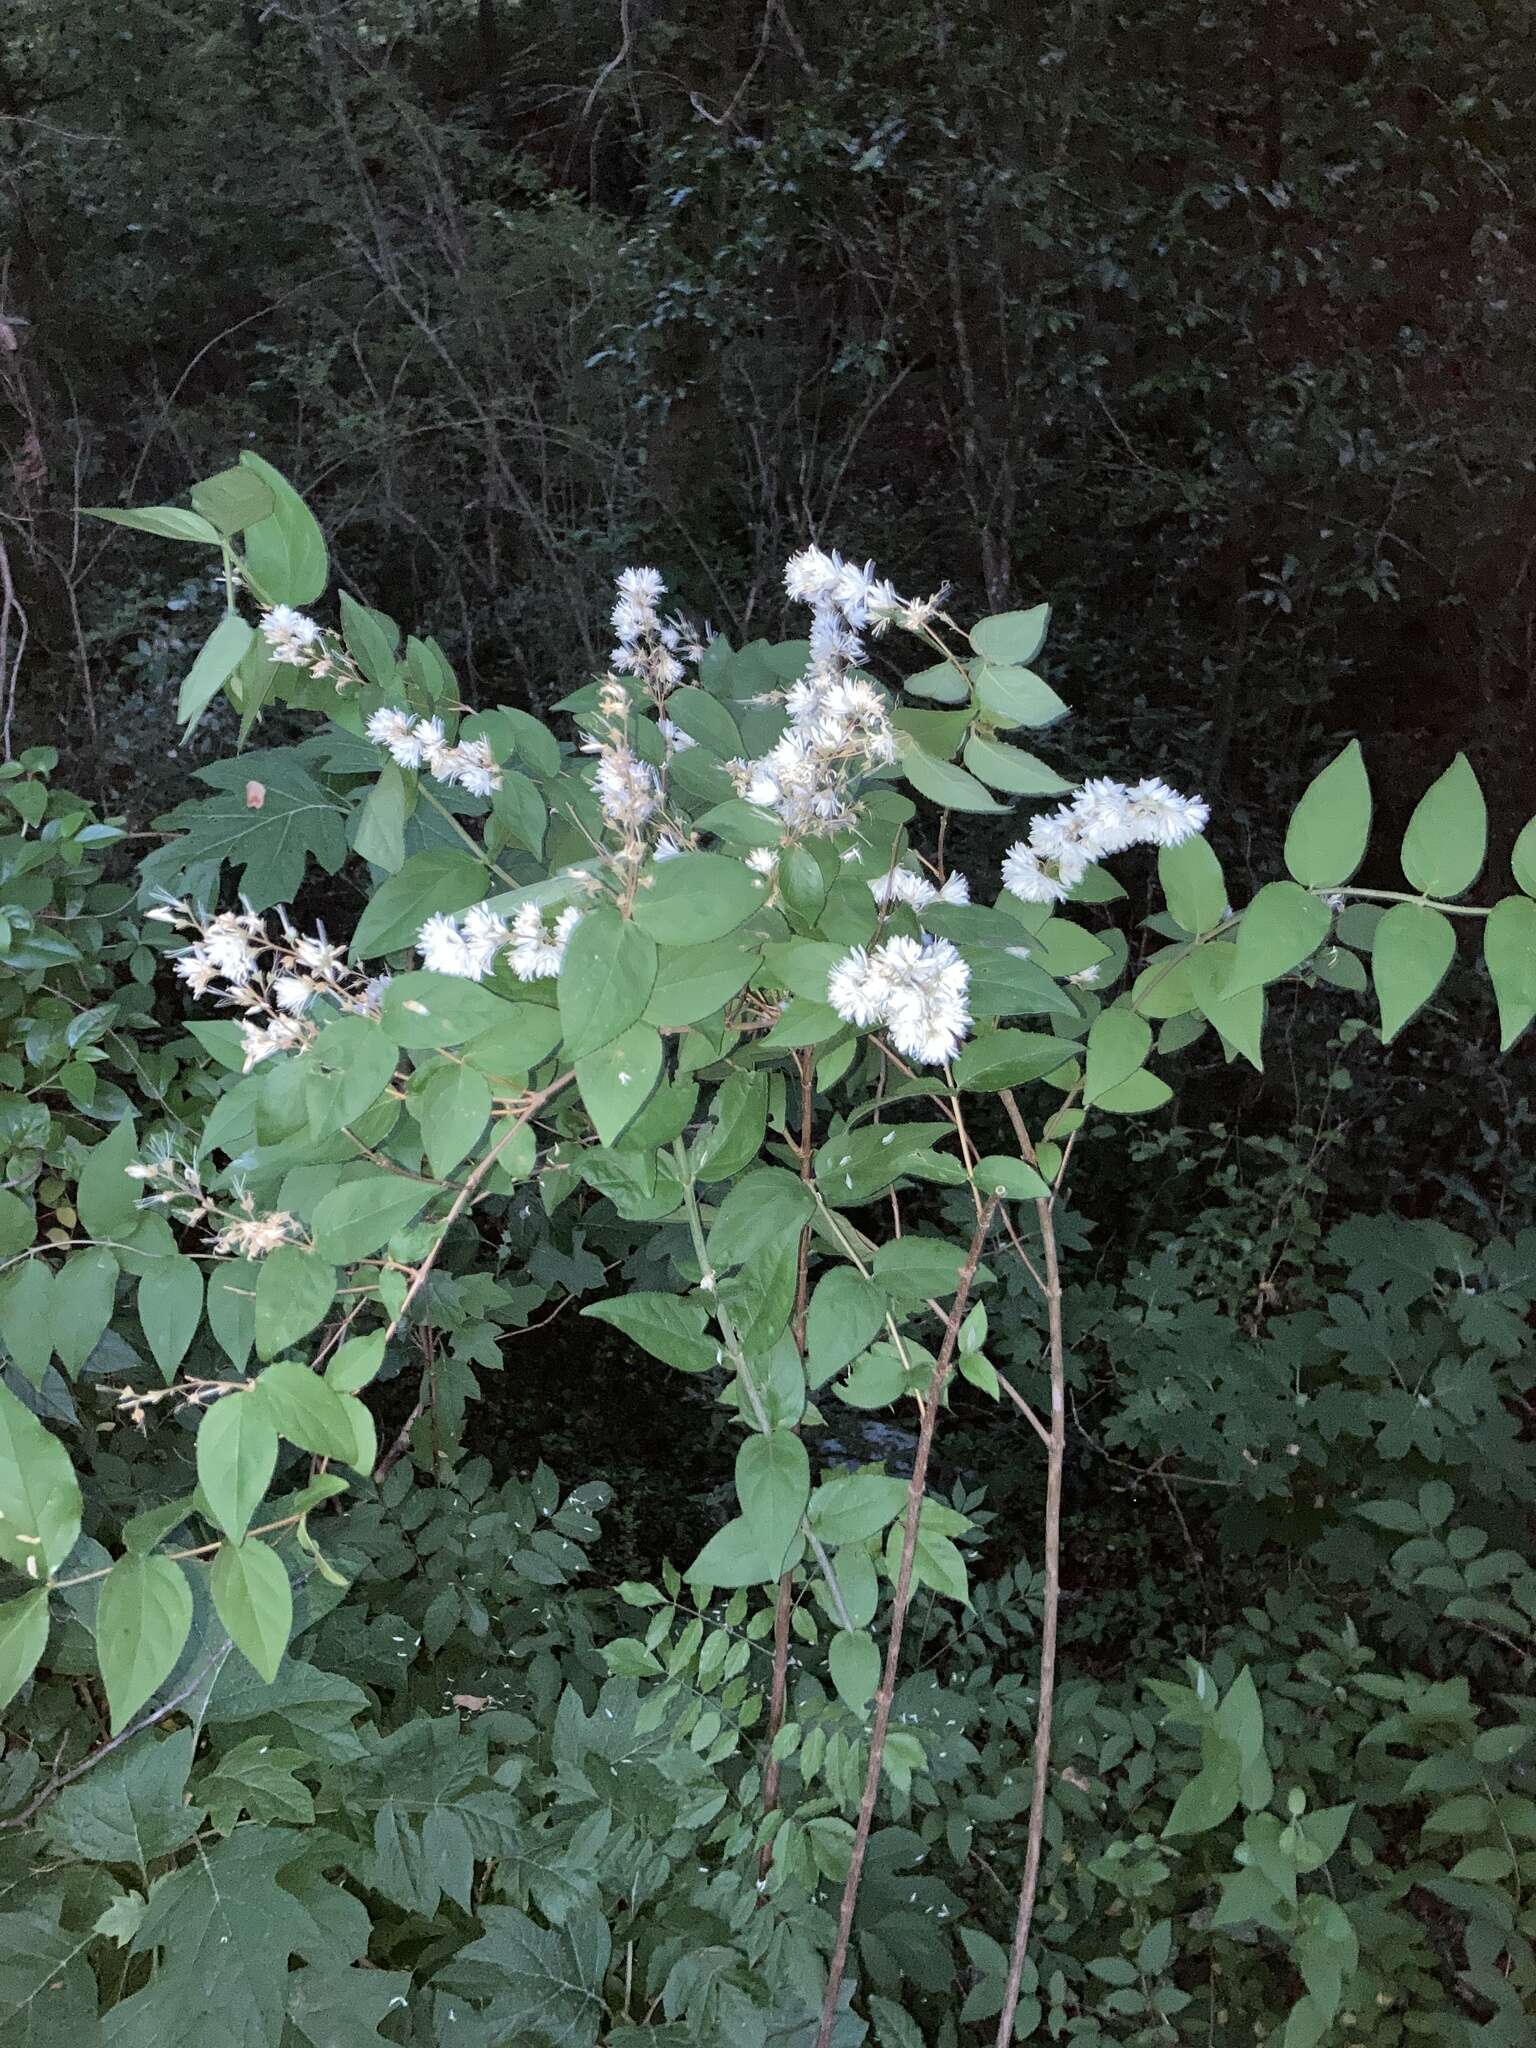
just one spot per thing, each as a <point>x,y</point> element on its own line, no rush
<point>901,1600</point>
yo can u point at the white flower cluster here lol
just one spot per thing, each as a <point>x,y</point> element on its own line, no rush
<point>1103,818</point>
<point>468,946</point>
<point>239,1232</point>
<point>648,646</point>
<point>292,637</point>
<point>905,885</point>
<point>421,742</point>
<point>839,725</point>
<point>917,989</point>
<point>274,980</point>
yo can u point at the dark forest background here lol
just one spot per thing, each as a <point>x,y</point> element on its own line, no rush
<point>1209,324</point>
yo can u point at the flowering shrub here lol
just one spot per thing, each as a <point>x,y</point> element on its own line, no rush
<point>695,965</point>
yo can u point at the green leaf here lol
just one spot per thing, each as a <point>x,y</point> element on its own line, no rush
<point>356,1363</point>
<point>352,1222</point>
<point>851,1507</point>
<point>26,1318</point>
<point>1414,947</point>
<point>545,1986</point>
<point>735,1556</point>
<point>739,1121</point>
<point>936,1561</point>
<point>294,1289</point>
<point>1509,950</point>
<point>236,1457</point>
<point>1012,636</point>
<point>132,1807</point>
<point>232,500</point>
<point>1132,1098</point>
<point>1240,1017</point>
<point>170,522</point>
<point>39,1495</point>
<point>1283,925</point>
<point>142,1621</point>
<point>441,879</point>
<point>696,897</point>
<point>1008,1059</point>
<point>767,1205</point>
<point>618,1079</point>
<point>1118,1044</point>
<point>372,640</point>
<point>854,1665</point>
<point>942,684</point>
<point>333,2006</point>
<point>302,1408</point>
<point>1014,1179</point>
<point>84,1288</point>
<point>520,811</point>
<point>285,553</point>
<point>1193,884</point>
<point>1011,696</point>
<point>1010,768</point>
<point>847,1312</point>
<point>297,822</point>
<point>1326,839</point>
<point>344,1072</point>
<point>1522,860</point>
<point>253,1599</point>
<point>379,836</point>
<point>773,1484</point>
<point>605,981</point>
<point>232,1308</point>
<point>23,1638</point>
<point>453,1110</point>
<point>170,1304</point>
<point>18,1224</point>
<point>433,1010</point>
<point>218,658</point>
<point>943,783</point>
<point>1447,835</point>
<point>1209,1798</point>
<point>693,982</point>
<point>670,1329</point>
<point>108,1201</point>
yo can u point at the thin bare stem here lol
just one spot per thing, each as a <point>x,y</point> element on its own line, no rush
<point>1056,1451</point>
<point>901,1601</point>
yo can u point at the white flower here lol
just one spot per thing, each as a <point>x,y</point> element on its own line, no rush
<point>474,767</point>
<point>196,970</point>
<point>955,888</point>
<point>851,591</point>
<point>445,950</point>
<point>291,992</point>
<point>857,988</point>
<point>318,954</point>
<point>903,885</point>
<point>260,1042</point>
<point>1164,816</point>
<point>395,730</point>
<point>917,988</point>
<point>537,952</point>
<point>667,848</point>
<point>227,947</point>
<point>678,740</point>
<point>289,634</point>
<point>484,935</point>
<point>811,574</point>
<point>1026,878</point>
<point>644,586</point>
<point>626,787</point>
<point>763,860</point>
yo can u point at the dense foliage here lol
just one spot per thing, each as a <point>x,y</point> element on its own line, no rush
<point>324,1733</point>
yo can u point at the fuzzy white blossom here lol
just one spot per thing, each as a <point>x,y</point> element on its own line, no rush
<point>627,788</point>
<point>444,949</point>
<point>763,860</point>
<point>291,635</point>
<point>918,989</point>
<point>905,885</point>
<point>1104,817</point>
<point>418,743</point>
<point>537,950</point>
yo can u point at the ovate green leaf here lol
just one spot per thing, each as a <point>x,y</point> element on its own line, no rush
<point>1414,947</point>
<point>1447,835</point>
<point>142,1620</point>
<point>1326,839</point>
